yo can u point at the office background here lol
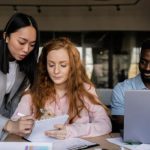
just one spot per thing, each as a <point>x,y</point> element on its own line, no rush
<point>108,33</point>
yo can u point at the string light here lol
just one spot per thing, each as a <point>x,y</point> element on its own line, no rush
<point>117,7</point>
<point>90,8</point>
<point>39,9</point>
<point>15,8</point>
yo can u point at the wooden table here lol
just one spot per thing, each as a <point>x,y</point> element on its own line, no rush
<point>104,144</point>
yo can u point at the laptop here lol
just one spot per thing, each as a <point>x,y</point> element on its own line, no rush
<point>137,117</point>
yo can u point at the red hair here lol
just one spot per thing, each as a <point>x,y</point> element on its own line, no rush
<point>43,88</point>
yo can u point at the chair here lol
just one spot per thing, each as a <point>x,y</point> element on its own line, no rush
<point>104,95</point>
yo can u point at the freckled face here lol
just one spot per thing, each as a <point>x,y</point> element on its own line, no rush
<point>21,42</point>
<point>58,66</point>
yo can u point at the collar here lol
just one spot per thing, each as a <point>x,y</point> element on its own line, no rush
<point>140,84</point>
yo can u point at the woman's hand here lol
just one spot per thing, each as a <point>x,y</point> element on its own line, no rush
<point>21,127</point>
<point>59,133</point>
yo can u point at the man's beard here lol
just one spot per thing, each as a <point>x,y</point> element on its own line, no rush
<point>145,79</point>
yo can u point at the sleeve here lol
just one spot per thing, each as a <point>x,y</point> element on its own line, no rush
<point>117,103</point>
<point>98,125</point>
<point>94,122</point>
<point>24,107</point>
<point>3,121</point>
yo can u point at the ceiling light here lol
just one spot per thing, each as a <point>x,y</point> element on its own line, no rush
<point>15,8</point>
<point>39,9</point>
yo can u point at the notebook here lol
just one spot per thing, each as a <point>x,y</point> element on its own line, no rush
<point>137,116</point>
<point>38,132</point>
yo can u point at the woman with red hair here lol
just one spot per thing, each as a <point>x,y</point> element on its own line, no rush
<point>62,87</point>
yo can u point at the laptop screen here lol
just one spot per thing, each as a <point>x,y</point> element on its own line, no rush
<point>137,116</point>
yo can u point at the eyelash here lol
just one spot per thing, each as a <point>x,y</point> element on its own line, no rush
<point>143,62</point>
<point>51,65</point>
<point>64,66</point>
<point>32,45</point>
<point>23,43</point>
<point>60,65</point>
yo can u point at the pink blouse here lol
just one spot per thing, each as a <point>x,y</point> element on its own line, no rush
<point>94,122</point>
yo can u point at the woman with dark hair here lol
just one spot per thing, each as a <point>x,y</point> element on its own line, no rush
<point>62,87</point>
<point>18,57</point>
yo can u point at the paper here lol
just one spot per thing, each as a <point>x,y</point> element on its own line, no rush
<point>119,141</point>
<point>25,146</point>
<point>57,145</point>
<point>38,132</point>
<point>70,144</point>
<point>143,147</point>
